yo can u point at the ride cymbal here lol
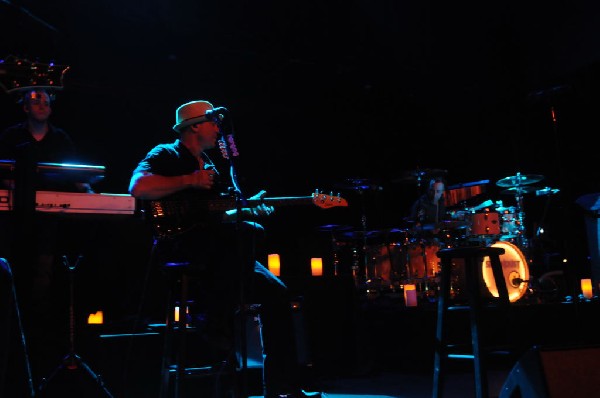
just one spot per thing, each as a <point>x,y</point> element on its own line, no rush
<point>519,179</point>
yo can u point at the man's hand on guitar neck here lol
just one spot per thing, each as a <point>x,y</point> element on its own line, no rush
<point>261,210</point>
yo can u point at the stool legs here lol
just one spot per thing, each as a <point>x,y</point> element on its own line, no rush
<point>473,261</point>
<point>473,272</point>
<point>176,369</point>
<point>440,343</point>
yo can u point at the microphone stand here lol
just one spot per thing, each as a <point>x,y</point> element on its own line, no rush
<point>72,361</point>
<point>229,151</point>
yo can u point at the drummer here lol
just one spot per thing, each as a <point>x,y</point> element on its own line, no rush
<point>429,210</point>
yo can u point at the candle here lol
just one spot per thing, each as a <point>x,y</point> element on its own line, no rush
<point>316,266</point>
<point>273,264</point>
<point>96,318</point>
<point>586,288</point>
<point>410,295</point>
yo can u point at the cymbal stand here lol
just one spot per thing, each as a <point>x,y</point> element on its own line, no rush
<point>521,238</point>
<point>363,223</point>
<point>335,252</point>
<point>72,361</point>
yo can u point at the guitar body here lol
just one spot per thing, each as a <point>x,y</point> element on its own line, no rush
<point>179,213</point>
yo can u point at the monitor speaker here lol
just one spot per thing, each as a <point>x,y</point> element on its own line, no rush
<point>555,373</point>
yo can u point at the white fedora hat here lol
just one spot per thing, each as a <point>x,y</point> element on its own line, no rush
<point>190,113</point>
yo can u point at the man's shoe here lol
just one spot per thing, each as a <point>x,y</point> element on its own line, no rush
<point>311,394</point>
<point>303,394</point>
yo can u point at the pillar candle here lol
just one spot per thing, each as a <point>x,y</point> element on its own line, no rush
<point>316,266</point>
<point>410,295</point>
<point>586,288</point>
<point>273,264</point>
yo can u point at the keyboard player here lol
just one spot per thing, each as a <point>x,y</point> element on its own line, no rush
<point>30,240</point>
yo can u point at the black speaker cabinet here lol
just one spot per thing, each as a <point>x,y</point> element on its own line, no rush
<point>555,373</point>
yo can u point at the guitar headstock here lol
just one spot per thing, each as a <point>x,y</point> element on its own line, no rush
<point>328,201</point>
<point>17,75</point>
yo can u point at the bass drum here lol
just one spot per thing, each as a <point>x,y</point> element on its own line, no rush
<point>514,268</point>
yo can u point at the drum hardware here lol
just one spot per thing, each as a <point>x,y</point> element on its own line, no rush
<point>547,191</point>
<point>333,229</point>
<point>361,185</point>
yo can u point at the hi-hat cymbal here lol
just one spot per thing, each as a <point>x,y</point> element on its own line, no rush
<point>519,179</point>
<point>334,228</point>
<point>519,190</point>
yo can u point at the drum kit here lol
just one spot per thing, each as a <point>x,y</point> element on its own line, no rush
<point>386,259</point>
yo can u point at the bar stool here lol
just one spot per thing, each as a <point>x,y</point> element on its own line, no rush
<point>473,263</point>
<point>175,369</point>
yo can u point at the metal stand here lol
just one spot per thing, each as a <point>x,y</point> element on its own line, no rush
<point>72,361</point>
<point>13,305</point>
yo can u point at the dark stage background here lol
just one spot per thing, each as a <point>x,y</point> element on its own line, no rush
<point>322,92</point>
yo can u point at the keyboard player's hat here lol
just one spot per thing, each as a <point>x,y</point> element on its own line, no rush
<point>191,113</point>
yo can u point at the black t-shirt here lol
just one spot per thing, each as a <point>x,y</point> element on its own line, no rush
<point>17,144</point>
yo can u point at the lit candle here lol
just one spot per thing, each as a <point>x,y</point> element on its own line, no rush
<point>176,314</point>
<point>316,266</point>
<point>586,288</point>
<point>96,318</point>
<point>410,295</point>
<point>274,265</point>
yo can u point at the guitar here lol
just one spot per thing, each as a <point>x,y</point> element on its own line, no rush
<point>17,75</point>
<point>178,214</point>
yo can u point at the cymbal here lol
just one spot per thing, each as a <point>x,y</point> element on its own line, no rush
<point>419,175</point>
<point>361,234</point>
<point>394,230</point>
<point>519,190</point>
<point>519,179</point>
<point>358,184</point>
<point>334,228</point>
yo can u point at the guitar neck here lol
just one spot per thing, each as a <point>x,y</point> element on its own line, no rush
<point>223,204</point>
<point>180,213</point>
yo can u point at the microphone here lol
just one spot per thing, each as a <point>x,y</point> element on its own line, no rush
<point>216,114</point>
<point>226,145</point>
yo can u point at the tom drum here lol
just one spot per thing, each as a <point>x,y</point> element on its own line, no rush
<point>485,223</point>
<point>422,260</point>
